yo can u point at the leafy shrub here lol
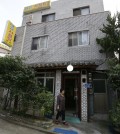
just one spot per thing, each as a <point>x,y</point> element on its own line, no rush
<point>44,100</point>
<point>114,114</point>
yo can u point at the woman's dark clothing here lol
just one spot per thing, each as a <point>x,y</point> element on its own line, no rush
<point>61,113</point>
<point>61,104</point>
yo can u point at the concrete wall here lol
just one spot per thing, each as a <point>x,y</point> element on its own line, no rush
<point>64,9</point>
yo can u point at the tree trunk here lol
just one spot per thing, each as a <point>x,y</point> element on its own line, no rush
<point>6,101</point>
<point>10,104</point>
<point>16,102</point>
<point>119,56</point>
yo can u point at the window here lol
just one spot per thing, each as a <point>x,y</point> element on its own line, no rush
<point>81,11</point>
<point>79,38</point>
<point>39,42</point>
<point>49,17</point>
<point>99,86</point>
<point>46,80</point>
<point>35,44</point>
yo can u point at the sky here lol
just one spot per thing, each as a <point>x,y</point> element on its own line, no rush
<point>13,10</point>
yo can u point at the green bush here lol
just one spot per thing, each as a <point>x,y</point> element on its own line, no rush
<point>114,114</point>
<point>44,101</point>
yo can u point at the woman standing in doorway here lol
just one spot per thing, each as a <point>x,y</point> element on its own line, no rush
<point>61,107</point>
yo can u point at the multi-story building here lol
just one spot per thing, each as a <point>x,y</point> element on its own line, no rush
<point>54,35</point>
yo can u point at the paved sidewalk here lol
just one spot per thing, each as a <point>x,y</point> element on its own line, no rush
<point>93,127</point>
<point>97,127</point>
<point>10,128</point>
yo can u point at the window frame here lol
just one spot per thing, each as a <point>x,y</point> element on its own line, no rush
<point>78,32</point>
<point>32,44</point>
<point>45,77</point>
<point>80,8</point>
<point>46,15</point>
<point>39,38</point>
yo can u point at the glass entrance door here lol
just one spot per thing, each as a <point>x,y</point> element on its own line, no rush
<point>69,94</point>
<point>72,94</point>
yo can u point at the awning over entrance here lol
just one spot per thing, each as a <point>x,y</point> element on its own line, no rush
<point>62,64</point>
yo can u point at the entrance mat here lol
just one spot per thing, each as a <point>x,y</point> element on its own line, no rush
<point>72,119</point>
<point>64,131</point>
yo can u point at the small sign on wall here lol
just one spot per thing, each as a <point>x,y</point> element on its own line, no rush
<point>87,85</point>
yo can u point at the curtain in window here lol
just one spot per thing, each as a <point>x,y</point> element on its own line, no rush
<point>76,12</point>
<point>70,40</point>
<point>44,18</point>
<point>35,44</point>
<point>85,11</point>
<point>43,42</point>
<point>80,38</point>
<point>85,38</point>
<point>51,17</point>
<point>74,39</point>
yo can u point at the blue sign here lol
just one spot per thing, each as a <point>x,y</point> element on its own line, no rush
<point>88,85</point>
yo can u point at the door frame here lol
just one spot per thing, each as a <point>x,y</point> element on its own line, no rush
<point>73,76</point>
<point>100,94</point>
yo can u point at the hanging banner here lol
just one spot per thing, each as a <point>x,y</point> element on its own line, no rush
<point>5,47</point>
<point>37,7</point>
<point>9,34</point>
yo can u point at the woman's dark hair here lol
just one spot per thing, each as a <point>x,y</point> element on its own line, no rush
<point>61,90</point>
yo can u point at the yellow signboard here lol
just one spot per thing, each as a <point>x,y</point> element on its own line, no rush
<point>5,47</point>
<point>9,34</point>
<point>37,7</point>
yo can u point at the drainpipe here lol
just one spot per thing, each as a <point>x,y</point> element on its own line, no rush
<point>23,40</point>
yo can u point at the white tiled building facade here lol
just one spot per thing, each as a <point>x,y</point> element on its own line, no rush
<point>64,9</point>
<point>65,33</point>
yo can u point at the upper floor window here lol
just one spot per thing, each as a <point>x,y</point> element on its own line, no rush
<point>79,38</point>
<point>81,11</point>
<point>49,17</point>
<point>39,42</point>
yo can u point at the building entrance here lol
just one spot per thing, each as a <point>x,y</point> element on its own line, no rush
<point>72,94</point>
<point>70,85</point>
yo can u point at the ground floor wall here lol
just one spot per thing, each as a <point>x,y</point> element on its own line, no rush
<point>86,91</point>
<point>84,94</point>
